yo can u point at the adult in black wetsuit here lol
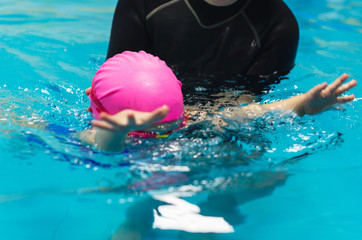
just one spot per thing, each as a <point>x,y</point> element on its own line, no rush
<point>256,38</point>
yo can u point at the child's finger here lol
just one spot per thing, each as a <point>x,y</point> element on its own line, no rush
<point>103,124</point>
<point>160,113</point>
<point>131,119</point>
<point>345,87</point>
<point>318,88</point>
<point>87,91</point>
<point>150,118</point>
<point>113,120</point>
<point>334,85</point>
<point>346,98</point>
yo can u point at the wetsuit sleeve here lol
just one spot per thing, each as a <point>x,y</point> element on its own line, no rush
<point>278,48</point>
<point>128,28</point>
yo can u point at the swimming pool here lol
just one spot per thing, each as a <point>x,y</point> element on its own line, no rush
<point>278,177</point>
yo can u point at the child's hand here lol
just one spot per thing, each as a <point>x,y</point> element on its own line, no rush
<point>323,95</point>
<point>87,92</point>
<point>111,130</point>
<point>130,120</point>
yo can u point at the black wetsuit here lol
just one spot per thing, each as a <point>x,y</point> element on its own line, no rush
<point>256,38</point>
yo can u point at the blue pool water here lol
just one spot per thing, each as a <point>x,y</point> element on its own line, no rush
<point>278,177</point>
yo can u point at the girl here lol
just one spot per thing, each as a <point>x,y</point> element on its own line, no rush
<point>136,91</point>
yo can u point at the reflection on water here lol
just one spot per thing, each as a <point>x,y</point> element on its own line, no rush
<point>216,212</point>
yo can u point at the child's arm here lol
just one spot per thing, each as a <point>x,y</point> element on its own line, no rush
<point>111,131</point>
<point>312,102</point>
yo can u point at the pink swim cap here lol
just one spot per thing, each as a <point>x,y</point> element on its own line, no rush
<point>137,81</point>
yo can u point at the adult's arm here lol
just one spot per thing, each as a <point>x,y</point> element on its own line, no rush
<point>128,31</point>
<point>279,40</point>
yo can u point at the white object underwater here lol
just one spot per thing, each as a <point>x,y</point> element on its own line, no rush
<point>184,216</point>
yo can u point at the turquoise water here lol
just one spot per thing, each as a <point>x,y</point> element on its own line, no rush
<point>278,177</point>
